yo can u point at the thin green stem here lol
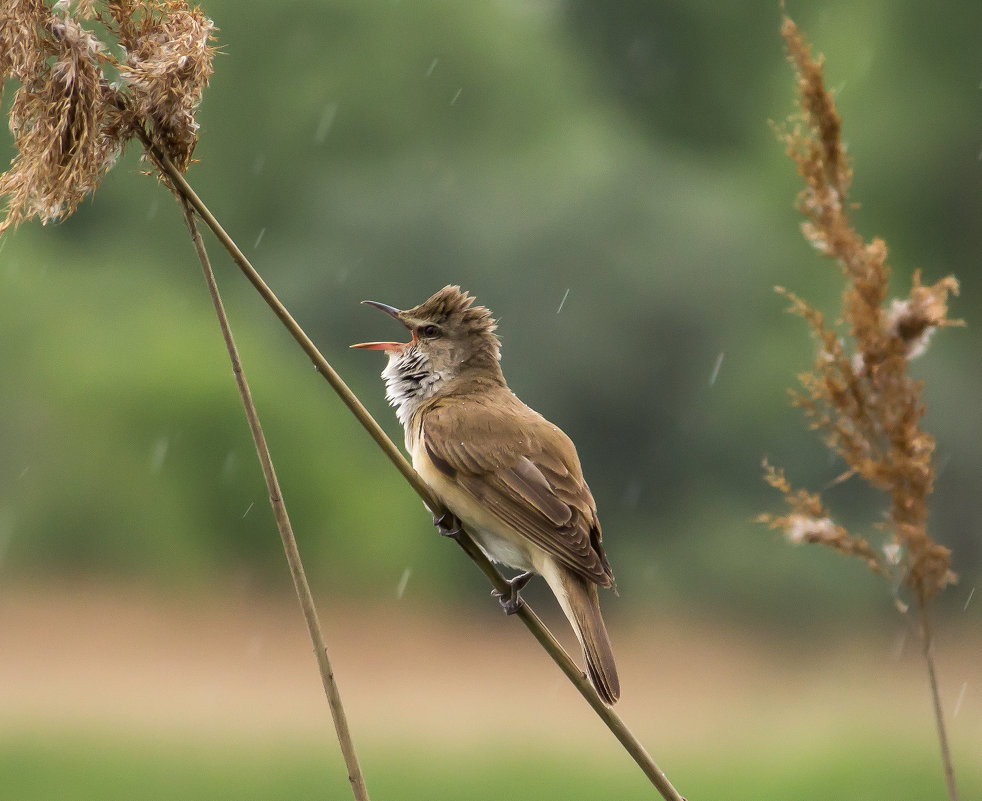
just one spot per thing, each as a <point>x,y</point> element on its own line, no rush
<point>541,633</point>
<point>927,647</point>
<point>282,523</point>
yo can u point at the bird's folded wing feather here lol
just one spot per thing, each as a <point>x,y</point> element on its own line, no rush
<point>525,471</point>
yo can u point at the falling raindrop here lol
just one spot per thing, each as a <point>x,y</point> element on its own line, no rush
<point>433,64</point>
<point>715,373</point>
<point>899,645</point>
<point>632,494</point>
<point>6,531</point>
<point>562,302</point>
<point>967,600</point>
<point>255,646</point>
<point>942,464</point>
<point>403,581</point>
<point>262,233</point>
<point>248,509</point>
<point>454,101</point>
<point>326,122</point>
<point>961,697</point>
<point>158,453</point>
<point>230,466</point>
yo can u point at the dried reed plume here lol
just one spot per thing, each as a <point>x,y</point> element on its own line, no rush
<point>858,392</point>
<point>70,124</point>
<point>167,64</point>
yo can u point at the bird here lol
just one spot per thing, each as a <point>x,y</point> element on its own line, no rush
<point>509,475</point>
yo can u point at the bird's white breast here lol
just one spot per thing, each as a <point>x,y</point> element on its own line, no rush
<point>409,381</point>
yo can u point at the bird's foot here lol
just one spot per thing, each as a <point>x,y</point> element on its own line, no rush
<point>448,525</point>
<point>511,601</point>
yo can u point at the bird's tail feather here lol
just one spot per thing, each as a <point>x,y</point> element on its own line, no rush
<point>578,598</point>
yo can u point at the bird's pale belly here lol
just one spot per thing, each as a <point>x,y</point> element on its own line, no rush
<point>500,549</point>
<point>499,541</point>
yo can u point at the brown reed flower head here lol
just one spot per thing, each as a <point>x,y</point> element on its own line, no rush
<point>859,392</point>
<point>56,113</point>
<point>69,123</point>
<point>19,37</point>
<point>166,66</point>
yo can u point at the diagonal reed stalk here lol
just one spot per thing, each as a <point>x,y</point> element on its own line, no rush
<point>282,522</point>
<point>531,620</point>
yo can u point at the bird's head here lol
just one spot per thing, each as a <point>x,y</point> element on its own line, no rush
<point>450,334</point>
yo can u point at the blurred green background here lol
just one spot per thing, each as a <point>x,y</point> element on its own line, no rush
<point>604,177</point>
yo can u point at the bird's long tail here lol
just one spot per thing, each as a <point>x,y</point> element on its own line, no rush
<point>578,598</point>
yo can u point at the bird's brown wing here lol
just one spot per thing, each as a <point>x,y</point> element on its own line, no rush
<point>525,471</point>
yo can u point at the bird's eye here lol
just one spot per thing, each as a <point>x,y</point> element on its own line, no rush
<point>429,331</point>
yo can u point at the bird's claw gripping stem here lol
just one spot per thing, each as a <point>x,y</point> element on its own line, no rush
<point>448,525</point>
<point>510,600</point>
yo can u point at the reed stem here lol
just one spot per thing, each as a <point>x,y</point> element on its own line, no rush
<point>282,522</point>
<point>927,647</point>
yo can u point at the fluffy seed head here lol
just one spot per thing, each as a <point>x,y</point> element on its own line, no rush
<point>69,123</point>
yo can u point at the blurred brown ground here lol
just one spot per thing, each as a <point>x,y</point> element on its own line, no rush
<point>118,658</point>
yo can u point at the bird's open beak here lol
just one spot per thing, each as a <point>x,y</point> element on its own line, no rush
<point>392,311</point>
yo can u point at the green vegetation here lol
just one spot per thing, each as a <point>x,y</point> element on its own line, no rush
<point>110,767</point>
<point>336,148</point>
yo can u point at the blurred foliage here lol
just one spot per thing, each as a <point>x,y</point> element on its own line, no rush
<point>104,767</point>
<point>612,159</point>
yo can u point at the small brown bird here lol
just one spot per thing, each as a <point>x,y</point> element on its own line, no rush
<point>512,477</point>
